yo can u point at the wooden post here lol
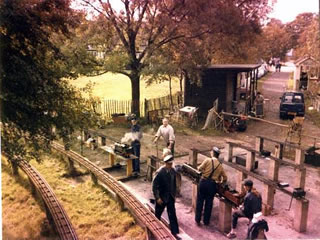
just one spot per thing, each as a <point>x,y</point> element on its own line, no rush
<point>273,172</point>
<point>194,196</point>
<point>228,156</point>
<point>121,203</point>
<point>299,158</point>
<point>281,147</point>
<point>149,169</point>
<point>301,215</point>
<point>259,144</point>
<point>193,157</point>
<point>111,159</point>
<point>239,185</point>
<point>99,138</point>
<point>129,167</point>
<point>94,178</point>
<point>250,161</point>
<point>225,213</point>
<point>268,199</point>
<point>71,167</point>
<point>300,180</point>
<point>48,214</point>
<point>33,188</point>
<point>149,235</point>
<point>103,141</point>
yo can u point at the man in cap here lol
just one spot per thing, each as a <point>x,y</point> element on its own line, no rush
<point>167,132</point>
<point>136,145</point>
<point>212,173</point>
<point>251,205</point>
<point>164,190</point>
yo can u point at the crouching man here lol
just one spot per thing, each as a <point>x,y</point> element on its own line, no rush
<point>252,204</point>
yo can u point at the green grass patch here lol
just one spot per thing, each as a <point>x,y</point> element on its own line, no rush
<point>118,87</point>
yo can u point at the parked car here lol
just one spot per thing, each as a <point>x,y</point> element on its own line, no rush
<point>292,104</point>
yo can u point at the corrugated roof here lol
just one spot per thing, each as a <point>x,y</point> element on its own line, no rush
<point>239,67</point>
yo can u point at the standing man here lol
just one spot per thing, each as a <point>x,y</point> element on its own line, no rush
<point>212,173</point>
<point>164,190</point>
<point>136,145</point>
<point>167,132</point>
<point>251,205</point>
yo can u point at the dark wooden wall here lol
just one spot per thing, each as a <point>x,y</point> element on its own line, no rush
<point>215,84</point>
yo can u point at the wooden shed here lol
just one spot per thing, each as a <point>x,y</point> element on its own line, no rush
<point>230,83</point>
<point>306,69</point>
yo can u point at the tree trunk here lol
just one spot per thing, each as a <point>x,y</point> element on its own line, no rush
<point>170,92</point>
<point>135,93</point>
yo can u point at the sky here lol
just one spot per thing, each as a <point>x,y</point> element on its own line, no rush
<point>287,10</point>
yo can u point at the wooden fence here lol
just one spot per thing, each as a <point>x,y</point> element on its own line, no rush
<point>163,102</point>
<point>107,107</point>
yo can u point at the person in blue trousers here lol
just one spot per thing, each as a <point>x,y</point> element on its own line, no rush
<point>136,145</point>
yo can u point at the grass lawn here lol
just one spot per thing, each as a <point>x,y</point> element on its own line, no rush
<point>118,87</point>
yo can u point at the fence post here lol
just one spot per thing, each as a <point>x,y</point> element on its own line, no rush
<point>146,108</point>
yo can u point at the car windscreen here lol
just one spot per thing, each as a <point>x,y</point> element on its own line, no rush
<point>293,98</point>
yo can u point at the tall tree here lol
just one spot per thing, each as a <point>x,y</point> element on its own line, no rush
<point>34,96</point>
<point>274,42</point>
<point>308,42</point>
<point>297,27</point>
<point>145,26</point>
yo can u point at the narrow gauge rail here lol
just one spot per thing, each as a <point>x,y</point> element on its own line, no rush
<point>157,228</point>
<point>59,216</point>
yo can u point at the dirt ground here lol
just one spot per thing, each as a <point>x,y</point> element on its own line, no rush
<point>281,220</point>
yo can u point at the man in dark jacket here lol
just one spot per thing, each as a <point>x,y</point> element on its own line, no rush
<point>164,190</point>
<point>252,204</point>
<point>136,145</point>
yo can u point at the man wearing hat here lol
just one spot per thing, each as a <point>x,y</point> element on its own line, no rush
<point>164,190</point>
<point>136,145</point>
<point>251,205</point>
<point>212,173</point>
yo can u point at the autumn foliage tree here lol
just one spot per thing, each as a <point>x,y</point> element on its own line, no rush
<point>35,97</point>
<point>144,27</point>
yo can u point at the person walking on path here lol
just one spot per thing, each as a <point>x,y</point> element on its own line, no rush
<point>167,132</point>
<point>164,191</point>
<point>252,205</point>
<point>212,173</point>
<point>259,101</point>
<point>136,145</point>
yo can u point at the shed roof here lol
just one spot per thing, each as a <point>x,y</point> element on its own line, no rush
<point>235,67</point>
<point>305,59</point>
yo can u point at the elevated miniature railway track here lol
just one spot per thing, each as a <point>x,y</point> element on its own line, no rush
<point>58,214</point>
<point>156,227</point>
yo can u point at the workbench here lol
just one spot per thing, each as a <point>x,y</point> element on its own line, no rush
<point>112,159</point>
